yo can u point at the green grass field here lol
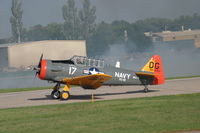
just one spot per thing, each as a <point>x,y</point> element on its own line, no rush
<point>22,89</point>
<point>185,77</point>
<point>142,115</point>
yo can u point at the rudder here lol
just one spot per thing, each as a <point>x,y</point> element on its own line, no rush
<point>154,65</point>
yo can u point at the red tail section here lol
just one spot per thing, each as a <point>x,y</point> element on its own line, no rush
<point>155,66</point>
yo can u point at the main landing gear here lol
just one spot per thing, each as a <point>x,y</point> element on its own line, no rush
<point>64,95</point>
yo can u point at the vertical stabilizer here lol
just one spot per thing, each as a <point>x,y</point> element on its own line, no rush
<point>154,65</point>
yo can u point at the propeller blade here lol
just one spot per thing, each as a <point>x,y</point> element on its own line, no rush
<point>39,65</point>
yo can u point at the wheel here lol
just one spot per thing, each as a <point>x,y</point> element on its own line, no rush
<point>64,95</point>
<point>55,94</point>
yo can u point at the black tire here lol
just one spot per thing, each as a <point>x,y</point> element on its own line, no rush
<point>55,94</point>
<point>64,95</point>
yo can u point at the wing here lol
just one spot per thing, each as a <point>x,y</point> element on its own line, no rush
<point>88,81</point>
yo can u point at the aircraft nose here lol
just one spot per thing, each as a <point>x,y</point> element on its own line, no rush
<point>43,69</point>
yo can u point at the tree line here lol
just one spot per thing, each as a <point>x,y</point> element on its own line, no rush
<point>81,25</point>
<point>77,24</point>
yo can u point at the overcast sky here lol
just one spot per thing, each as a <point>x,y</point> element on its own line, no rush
<point>48,11</point>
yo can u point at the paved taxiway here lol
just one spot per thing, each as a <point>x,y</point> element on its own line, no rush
<point>42,97</point>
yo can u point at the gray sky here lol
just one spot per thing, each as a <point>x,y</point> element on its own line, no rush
<point>48,11</point>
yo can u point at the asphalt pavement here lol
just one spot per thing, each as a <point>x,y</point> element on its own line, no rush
<point>42,97</point>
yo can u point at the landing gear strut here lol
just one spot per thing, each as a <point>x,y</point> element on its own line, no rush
<point>64,95</point>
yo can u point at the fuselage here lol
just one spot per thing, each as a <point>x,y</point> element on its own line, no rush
<point>57,71</point>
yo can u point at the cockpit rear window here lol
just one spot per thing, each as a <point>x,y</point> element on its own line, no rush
<point>84,61</point>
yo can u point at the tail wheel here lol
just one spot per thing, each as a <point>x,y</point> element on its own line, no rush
<point>146,89</point>
<point>64,95</point>
<point>55,94</point>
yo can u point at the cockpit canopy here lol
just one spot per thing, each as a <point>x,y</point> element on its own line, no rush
<point>84,61</point>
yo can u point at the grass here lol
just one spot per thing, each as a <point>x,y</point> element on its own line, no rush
<point>184,77</point>
<point>142,115</point>
<point>23,89</point>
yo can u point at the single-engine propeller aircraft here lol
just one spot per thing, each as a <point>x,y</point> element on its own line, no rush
<point>93,73</point>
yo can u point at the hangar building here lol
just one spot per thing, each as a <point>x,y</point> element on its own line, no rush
<point>168,36</point>
<point>27,54</point>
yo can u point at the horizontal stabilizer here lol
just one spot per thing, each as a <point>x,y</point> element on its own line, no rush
<point>144,73</point>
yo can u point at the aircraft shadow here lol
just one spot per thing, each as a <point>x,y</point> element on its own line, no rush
<point>72,97</point>
<point>128,92</point>
<point>48,97</point>
<point>83,97</point>
<point>89,97</point>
